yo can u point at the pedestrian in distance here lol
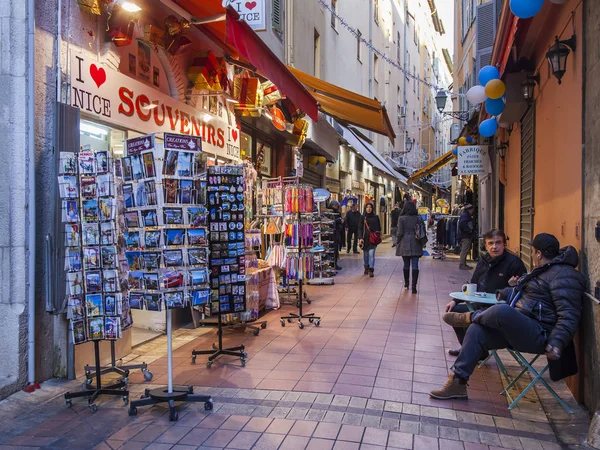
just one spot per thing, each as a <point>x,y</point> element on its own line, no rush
<point>338,231</point>
<point>409,246</point>
<point>395,216</point>
<point>352,222</point>
<point>466,234</point>
<point>370,236</point>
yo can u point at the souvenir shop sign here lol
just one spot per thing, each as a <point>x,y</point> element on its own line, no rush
<point>116,98</point>
<point>473,160</point>
<point>321,195</point>
<point>179,142</point>
<point>140,144</point>
<point>252,12</point>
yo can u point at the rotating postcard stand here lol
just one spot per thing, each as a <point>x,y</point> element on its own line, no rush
<point>320,196</point>
<point>170,394</point>
<point>227,259</point>
<point>299,200</point>
<point>90,371</point>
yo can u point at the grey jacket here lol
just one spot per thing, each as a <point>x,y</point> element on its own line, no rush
<point>407,242</point>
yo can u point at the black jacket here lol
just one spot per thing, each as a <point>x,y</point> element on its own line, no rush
<point>466,226</point>
<point>353,219</point>
<point>373,225</point>
<point>552,294</point>
<point>492,274</point>
<point>395,216</point>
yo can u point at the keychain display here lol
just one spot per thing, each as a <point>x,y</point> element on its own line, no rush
<point>300,266</point>
<point>298,233</point>
<point>298,199</point>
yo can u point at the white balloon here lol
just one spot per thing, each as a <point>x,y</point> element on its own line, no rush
<point>476,95</point>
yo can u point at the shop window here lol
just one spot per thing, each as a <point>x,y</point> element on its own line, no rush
<point>277,17</point>
<point>264,158</point>
<point>245,146</point>
<point>358,163</point>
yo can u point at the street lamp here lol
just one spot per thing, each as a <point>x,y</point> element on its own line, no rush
<point>528,87</point>
<point>557,56</point>
<point>440,101</point>
<point>409,144</point>
<point>501,149</point>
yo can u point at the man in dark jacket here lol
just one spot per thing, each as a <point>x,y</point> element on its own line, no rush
<point>395,216</point>
<point>351,222</point>
<point>493,272</point>
<point>466,233</point>
<point>541,314</point>
<point>338,231</point>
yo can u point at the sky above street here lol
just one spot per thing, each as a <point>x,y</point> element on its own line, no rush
<point>446,12</point>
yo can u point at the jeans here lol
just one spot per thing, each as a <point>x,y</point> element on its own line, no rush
<point>407,262</point>
<point>394,236</point>
<point>369,257</point>
<point>465,248</point>
<point>352,232</point>
<point>497,327</point>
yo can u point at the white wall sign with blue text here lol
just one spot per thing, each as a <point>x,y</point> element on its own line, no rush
<point>252,12</point>
<point>473,160</point>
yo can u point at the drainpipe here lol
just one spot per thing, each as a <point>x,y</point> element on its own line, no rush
<point>370,50</point>
<point>404,81</point>
<point>289,33</point>
<point>31,193</point>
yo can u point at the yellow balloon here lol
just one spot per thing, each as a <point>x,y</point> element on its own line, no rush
<point>462,140</point>
<point>495,89</point>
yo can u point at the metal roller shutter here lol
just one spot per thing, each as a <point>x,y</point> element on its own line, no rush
<point>527,183</point>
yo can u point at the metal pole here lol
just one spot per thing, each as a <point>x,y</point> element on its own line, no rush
<point>169,353</point>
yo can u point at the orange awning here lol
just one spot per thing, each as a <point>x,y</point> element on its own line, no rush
<point>432,167</point>
<point>346,106</point>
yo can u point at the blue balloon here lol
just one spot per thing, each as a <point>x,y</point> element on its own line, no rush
<point>494,107</point>
<point>470,139</point>
<point>455,151</point>
<point>524,9</point>
<point>487,74</point>
<point>488,127</point>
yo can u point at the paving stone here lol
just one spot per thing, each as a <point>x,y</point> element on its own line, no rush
<point>358,402</point>
<point>343,445</point>
<point>351,433</point>
<point>262,411</point>
<point>220,438</point>
<point>258,424</point>
<point>352,419</point>
<point>393,407</point>
<point>445,413</point>
<point>279,412</point>
<point>370,421</point>
<point>334,416</point>
<point>341,400</point>
<point>510,442</point>
<point>468,435</point>
<point>297,413</point>
<point>327,430</point>
<point>235,423</point>
<point>375,436</point>
<point>294,443</point>
<point>398,439</point>
<point>244,440</point>
<point>483,419</point>
<point>531,444</point>
<point>408,426</point>
<point>307,397</point>
<point>269,441</point>
<point>448,433</point>
<point>429,411</point>
<point>324,399</point>
<point>425,443</point>
<point>489,438</point>
<point>280,426</point>
<point>275,395</point>
<point>446,444</point>
<point>319,444</point>
<point>409,408</point>
<point>245,410</point>
<point>197,436</point>
<point>303,428</point>
<point>316,414</point>
<point>375,404</point>
<point>427,429</point>
<point>389,423</point>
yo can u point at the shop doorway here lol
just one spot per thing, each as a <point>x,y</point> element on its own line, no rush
<point>527,184</point>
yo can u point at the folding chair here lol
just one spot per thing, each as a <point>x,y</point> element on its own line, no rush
<point>537,376</point>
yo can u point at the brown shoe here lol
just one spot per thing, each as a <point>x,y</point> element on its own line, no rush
<point>457,320</point>
<point>452,389</point>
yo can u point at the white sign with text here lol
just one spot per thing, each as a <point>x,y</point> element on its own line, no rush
<point>253,12</point>
<point>473,160</point>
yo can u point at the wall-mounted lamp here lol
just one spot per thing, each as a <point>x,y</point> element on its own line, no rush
<point>409,144</point>
<point>557,56</point>
<point>501,149</point>
<point>528,87</point>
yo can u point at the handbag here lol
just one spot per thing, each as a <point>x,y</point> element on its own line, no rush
<point>374,237</point>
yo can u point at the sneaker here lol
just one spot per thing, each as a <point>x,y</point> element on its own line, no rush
<point>465,267</point>
<point>457,320</point>
<point>454,351</point>
<point>454,388</point>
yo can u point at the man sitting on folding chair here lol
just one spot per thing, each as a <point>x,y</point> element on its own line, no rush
<point>540,316</point>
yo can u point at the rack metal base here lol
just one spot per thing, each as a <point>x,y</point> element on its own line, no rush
<point>178,394</point>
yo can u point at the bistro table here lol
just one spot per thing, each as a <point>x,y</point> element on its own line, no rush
<point>487,300</point>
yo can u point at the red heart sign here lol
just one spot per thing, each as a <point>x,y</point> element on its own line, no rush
<point>98,75</point>
<point>234,134</point>
<point>250,5</point>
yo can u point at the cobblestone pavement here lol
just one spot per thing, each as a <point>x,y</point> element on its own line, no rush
<point>360,380</point>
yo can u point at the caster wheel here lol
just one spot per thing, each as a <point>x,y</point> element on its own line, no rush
<point>190,390</point>
<point>132,411</point>
<point>69,403</point>
<point>304,294</point>
<point>173,416</point>
<point>125,380</point>
<point>244,354</point>
<point>208,364</point>
<point>147,375</point>
<point>84,386</point>
<point>263,325</point>
<point>297,304</point>
<point>309,301</point>
<point>301,325</point>
<point>208,406</point>
<point>282,323</point>
<point>214,347</point>
<point>256,332</point>
<point>142,397</point>
<point>194,359</point>
<point>94,407</point>
<point>317,323</point>
<point>126,399</point>
<point>289,320</point>
<point>243,362</point>
<point>311,320</point>
<point>88,380</point>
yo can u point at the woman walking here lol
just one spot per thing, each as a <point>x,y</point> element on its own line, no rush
<point>409,247</point>
<point>369,232</point>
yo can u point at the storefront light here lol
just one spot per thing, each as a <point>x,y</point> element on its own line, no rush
<point>91,129</point>
<point>557,56</point>
<point>130,7</point>
<point>207,117</point>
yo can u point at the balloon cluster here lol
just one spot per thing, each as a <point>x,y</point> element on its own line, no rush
<point>464,140</point>
<point>490,90</point>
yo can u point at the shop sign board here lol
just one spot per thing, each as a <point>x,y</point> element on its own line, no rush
<point>120,100</point>
<point>321,195</point>
<point>179,142</point>
<point>252,12</point>
<point>140,144</point>
<point>300,169</point>
<point>473,160</point>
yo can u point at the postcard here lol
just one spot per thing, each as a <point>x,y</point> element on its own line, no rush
<point>74,283</point>
<point>196,256</point>
<point>174,236</point>
<point>67,164</point>
<point>78,330</point>
<point>174,299</point>
<point>70,211</point>
<point>103,184</point>
<point>90,234</point>
<point>90,210</point>
<point>153,302</point>
<point>108,256</point>
<point>137,167</point>
<point>107,233</point>
<point>96,328</point>
<point>150,190</point>
<point>132,239</point>
<point>151,260</point>
<point>131,219</point>
<point>102,162</point>
<point>200,297</point>
<point>170,162</point>
<point>94,305</point>
<point>134,260</point>
<point>91,258</point>
<point>151,281</point>
<point>128,198</point>
<point>196,236</point>
<point>119,302</point>
<point>149,165</point>
<point>111,281</point>
<point>135,280</point>
<point>93,282</point>
<point>149,218</point>
<point>126,169</point>
<point>198,277</point>
<point>172,279</point>
<point>67,185</point>
<point>197,217</point>
<point>110,305</point>
<point>87,163</point>
<point>72,235</point>
<point>152,239</point>
<point>140,194</point>
<point>173,216</point>
<point>136,300</point>
<point>88,187</point>
<point>173,258</point>
<point>107,208</point>
<point>72,260</point>
<point>186,191</point>
<point>184,164</point>
<point>171,190</point>
<point>111,327</point>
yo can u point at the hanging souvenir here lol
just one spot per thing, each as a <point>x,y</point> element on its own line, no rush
<point>272,94</point>
<point>154,35</point>
<point>247,91</point>
<point>203,71</point>
<point>175,29</point>
<point>299,132</point>
<point>90,6</point>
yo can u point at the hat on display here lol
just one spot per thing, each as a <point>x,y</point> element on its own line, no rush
<point>547,244</point>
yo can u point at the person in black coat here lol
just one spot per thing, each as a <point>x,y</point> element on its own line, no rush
<point>369,224</point>
<point>338,231</point>
<point>395,216</point>
<point>493,272</point>
<point>540,316</point>
<point>352,222</point>
<point>466,234</point>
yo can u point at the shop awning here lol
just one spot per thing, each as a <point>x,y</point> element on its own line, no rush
<point>236,38</point>
<point>346,106</point>
<point>432,167</point>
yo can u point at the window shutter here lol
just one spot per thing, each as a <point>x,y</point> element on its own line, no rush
<point>277,16</point>
<point>486,33</point>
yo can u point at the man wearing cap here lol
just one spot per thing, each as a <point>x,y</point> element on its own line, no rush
<point>466,233</point>
<point>541,314</point>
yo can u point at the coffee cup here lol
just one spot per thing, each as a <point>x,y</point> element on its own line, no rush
<point>469,289</point>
